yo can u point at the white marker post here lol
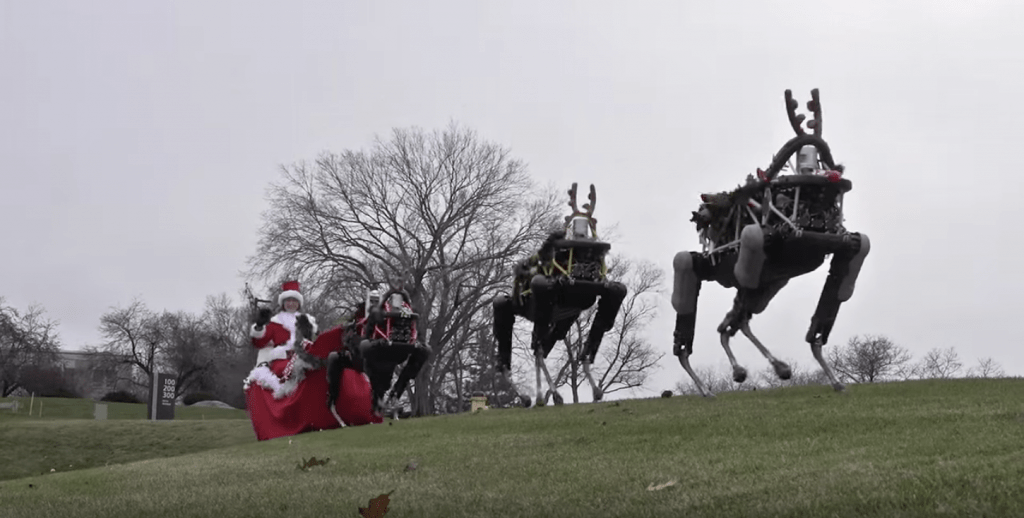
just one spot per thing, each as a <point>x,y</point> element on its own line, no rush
<point>100,412</point>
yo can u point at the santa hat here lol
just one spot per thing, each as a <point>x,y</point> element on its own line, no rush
<point>290,290</point>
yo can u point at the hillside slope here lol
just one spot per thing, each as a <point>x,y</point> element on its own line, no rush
<point>923,448</point>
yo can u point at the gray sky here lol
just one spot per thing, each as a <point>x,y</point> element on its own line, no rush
<point>137,139</point>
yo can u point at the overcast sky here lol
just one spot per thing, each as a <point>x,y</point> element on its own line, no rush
<point>137,140</point>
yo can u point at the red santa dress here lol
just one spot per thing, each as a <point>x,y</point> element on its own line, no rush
<point>286,395</point>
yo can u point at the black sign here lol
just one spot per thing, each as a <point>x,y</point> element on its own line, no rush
<point>161,396</point>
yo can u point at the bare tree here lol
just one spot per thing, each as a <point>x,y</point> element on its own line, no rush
<point>226,323</point>
<point>226,326</point>
<point>869,359</point>
<point>716,379</point>
<point>445,211</point>
<point>188,351</point>
<point>626,356</point>
<point>481,374</point>
<point>211,352</point>
<point>767,378</point>
<point>941,363</point>
<point>179,343</point>
<point>906,371</point>
<point>986,368</point>
<point>132,339</point>
<point>27,340</point>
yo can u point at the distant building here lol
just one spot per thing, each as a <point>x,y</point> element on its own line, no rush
<point>94,374</point>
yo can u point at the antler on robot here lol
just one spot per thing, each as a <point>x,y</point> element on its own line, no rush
<point>765,233</point>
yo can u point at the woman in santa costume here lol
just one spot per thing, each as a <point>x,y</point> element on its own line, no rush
<point>286,393</point>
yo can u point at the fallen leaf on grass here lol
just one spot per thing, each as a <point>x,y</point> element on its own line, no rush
<point>659,487</point>
<point>378,507</point>
<point>312,461</point>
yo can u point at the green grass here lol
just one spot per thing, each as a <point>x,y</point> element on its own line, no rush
<point>68,437</point>
<point>61,408</point>
<point>924,448</point>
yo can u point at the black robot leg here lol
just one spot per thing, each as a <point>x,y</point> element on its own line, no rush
<point>542,290</point>
<point>607,309</point>
<point>504,322</point>
<point>417,359</point>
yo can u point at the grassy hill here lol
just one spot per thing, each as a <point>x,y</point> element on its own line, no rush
<point>922,448</point>
<point>67,437</point>
<point>61,408</point>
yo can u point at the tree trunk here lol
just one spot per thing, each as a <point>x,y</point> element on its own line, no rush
<point>573,373</point>
<point>458,377</point>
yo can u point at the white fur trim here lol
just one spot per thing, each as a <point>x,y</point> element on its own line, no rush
<point>257,334</point>
<point>269,354</point>
<point>287,321</point>
<point>265,378</point>
<point>289,294</point>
